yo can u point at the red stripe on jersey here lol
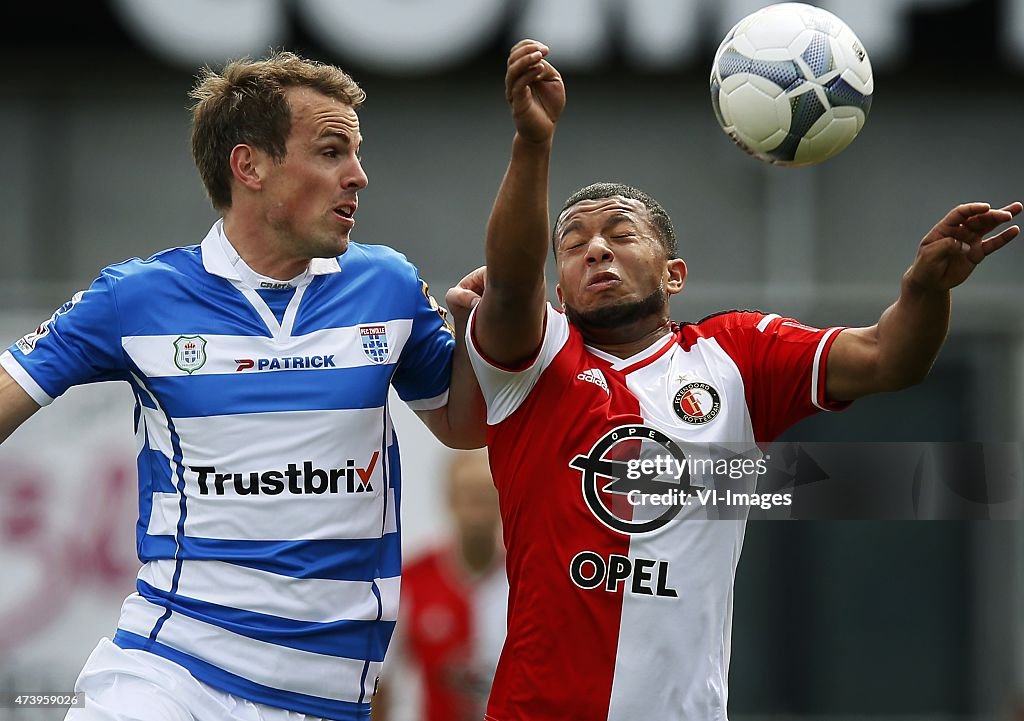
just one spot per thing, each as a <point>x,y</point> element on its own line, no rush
<point>546,523</point>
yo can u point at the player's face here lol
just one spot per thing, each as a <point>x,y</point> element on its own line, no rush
<point>609,255</point>
<point>312,193</point>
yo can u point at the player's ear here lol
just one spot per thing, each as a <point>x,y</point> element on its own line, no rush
<point>246,166</point>
<point>675,272</point>
<point>558,292</point>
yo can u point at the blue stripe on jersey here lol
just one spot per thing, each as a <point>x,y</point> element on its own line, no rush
<point>368,272</point>
<point>219,678</point>
<point>298,390</point>
<point>198,303</point>
<point>363,559</point>
<point>394,471</point>
<point>366,667</point>
<point>348,639</point>
<point>180,531</point>
<point>157,470</point>
<point>154,477</point>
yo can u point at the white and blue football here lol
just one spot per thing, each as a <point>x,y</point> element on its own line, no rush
<point>791,84</point>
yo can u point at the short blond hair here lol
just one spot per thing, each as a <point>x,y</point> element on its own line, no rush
<point>246,103</point>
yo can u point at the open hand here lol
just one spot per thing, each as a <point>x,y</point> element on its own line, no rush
<point>951,250</point>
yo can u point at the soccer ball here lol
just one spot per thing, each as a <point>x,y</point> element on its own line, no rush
<point>791,84</point>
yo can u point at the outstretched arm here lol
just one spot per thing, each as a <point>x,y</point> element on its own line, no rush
<point>510,320</point>
<point>900,349</point>
<point>15,405</point>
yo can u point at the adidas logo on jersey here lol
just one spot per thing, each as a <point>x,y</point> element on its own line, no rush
<point>593,375</point>
<point>295,479</point>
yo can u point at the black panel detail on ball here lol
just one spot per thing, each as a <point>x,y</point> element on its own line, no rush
<point>806,111</point>
<point>818,55</point>
<point>783,72</point>
<point>731,63</point>
<point>786,150</point>
<point>840,92</point>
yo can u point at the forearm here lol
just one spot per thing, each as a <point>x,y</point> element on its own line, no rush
<point>510,319</point>
<point>16,406</point>
<point>466,416</point>
<point>911,333</point>
<point>517,231</point>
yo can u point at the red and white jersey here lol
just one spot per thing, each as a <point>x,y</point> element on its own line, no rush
<point>620,603</point>
<point>448,638</point>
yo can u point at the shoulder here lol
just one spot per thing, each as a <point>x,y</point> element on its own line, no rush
<point>185,261</point>
<point>726,323</point>
<point>727,320</point>
<point>359,258</point>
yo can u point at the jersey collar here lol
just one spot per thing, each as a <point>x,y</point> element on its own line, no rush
<point>221,259</point>
<point>636,361</point>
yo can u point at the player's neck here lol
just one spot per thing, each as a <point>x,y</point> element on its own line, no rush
<point>260,251</point>
<point>626,341</point>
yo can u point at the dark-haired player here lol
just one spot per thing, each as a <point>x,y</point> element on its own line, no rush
<point>599,416</point>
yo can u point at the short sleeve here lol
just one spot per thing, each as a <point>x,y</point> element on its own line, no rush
<point>783,365</point>
<point>424,368</point>
<point>80,343</point>
<point>505,389</point>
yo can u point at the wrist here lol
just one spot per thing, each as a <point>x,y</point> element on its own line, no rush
<point>523,142</point>
<point>914,287</point>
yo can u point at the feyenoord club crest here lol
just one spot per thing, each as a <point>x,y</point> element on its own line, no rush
<point>190,353</point>
<point>697,403</point>
<point>375,342</point>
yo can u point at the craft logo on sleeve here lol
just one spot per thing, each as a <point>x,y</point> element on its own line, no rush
<point>27,344</point>
<point>440,310</point>
<point>375,342</point>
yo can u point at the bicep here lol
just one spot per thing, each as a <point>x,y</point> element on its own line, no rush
<point>852,370</point>
<point>16,405</point>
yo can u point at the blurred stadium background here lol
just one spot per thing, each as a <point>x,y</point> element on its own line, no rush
<point>909,620</point>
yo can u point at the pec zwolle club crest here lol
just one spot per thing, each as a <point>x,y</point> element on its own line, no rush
<point>375,342</point>
<point>190,353</point>
<point>617,484</point>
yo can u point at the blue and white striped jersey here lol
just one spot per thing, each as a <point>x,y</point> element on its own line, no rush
<point>268,466</point>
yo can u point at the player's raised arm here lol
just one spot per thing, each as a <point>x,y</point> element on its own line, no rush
<point>509,324</point>
<point>15,405</point>
<point>899,350</point>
